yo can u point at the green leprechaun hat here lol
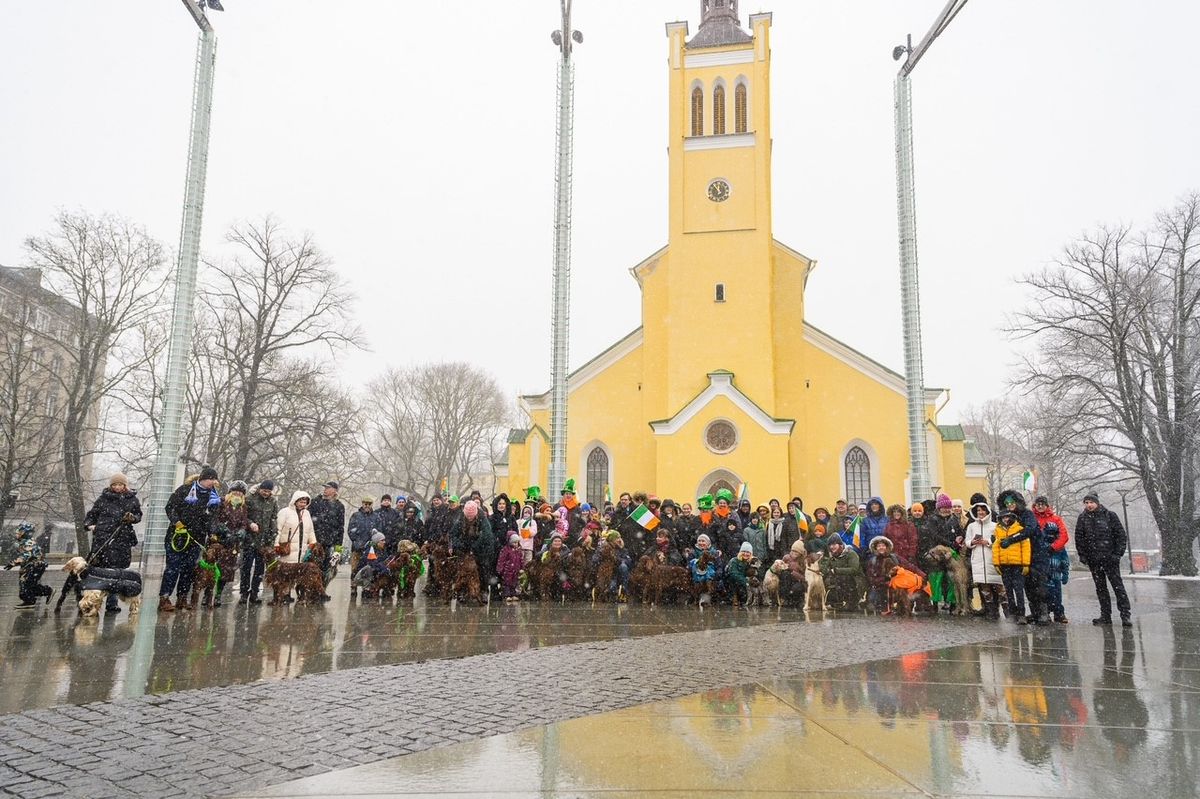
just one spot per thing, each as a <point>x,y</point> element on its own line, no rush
<point>569,486</point>
<point>533,493</point>
<point>705,502</point>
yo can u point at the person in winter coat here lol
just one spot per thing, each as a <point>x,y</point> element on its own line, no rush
<point>32,563</point>
<point>363,522</point>
<point>295,525</point>
<point>262,512</point>
<point>756,534</point>
<point>412,528</point>
<point>984,575</point>
<point>820,539</point>
<point>736,580</point>
<point>509,566</point>
<point>1060,562</point>
<point>940,529</point>
<point>1012,560</point>
<point>329,521</point>
<point>776,531</point>
<point>902,533</point>
<point>191,512</point>
<point>502,519</point>
<point>387,521</point>
<point>110,522</point>
<point>821,516</point>
<point>871,525</point>
<point>879,571</point>
<point>1100,541</point>
<point>233,521</point>
<point>845,583</point>
<point>527,530</point>
<point>472,533</point>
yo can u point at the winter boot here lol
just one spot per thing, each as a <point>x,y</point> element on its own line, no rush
<point>164,605</point>
<point>1125,621</point>
<point>25,604</point>
<point>1102,621</point>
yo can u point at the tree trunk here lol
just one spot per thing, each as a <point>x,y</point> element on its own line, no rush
<point>74,480</point>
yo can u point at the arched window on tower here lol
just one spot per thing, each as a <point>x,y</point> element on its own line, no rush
<point>697,111</point>
<point>740,111</point>
<point>597,477</point>
<point>719,110</point>
<point>858,476</point>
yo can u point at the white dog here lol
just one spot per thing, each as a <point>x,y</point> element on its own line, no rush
<point>814,593</point>
<point>98,583</point>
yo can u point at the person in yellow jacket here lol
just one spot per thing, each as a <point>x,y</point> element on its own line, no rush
<point>1013,562</point>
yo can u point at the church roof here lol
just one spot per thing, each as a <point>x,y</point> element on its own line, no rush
<point>973,456</point>
<point>952,432</point>
<point>719,26</point>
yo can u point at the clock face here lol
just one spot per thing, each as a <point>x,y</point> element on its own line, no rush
<point>718,190</point>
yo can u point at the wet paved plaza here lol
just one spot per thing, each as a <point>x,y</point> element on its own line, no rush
<point>625,701</point>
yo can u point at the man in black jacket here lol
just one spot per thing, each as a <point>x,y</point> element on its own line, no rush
<point>1100,540</point>
<point>329,521</point>
<point>263,512</point>
<point>191,511</point>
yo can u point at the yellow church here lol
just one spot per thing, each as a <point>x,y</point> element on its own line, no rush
<point>724,382</point>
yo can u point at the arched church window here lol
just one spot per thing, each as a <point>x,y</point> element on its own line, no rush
<point>858,476</point>
<point>719,110</point>
<point>739,108</point>
<point>718,485</point>
<point>697,111</point>
<point>720,437</point>
<point>597,476</point>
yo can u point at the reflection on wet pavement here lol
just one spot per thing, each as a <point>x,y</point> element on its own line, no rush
<point>1062,711</point>
<point>48,659</point>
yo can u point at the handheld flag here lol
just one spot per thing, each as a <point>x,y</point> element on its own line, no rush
<point>445,484</point>
<point>608,494</point>
<point>743,491</point>
<point>1029,481</point>
<point>642,515</point>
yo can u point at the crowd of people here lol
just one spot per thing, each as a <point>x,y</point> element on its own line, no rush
<point>939,555</point>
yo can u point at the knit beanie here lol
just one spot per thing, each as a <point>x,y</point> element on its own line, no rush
<point>943,501</point>
<point>745,547</point>
<point>118,478</point>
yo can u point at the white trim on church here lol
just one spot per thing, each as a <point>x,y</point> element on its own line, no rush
<point>720,384</point>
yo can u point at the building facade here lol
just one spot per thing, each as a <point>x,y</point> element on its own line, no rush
<point>725,382</point>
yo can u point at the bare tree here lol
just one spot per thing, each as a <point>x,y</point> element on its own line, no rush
<point>277,299</point>
<point>993,426</point>
<point>112,273</point>
<point>30,412</point>
<point>430,422</point>
<point>1117,324</point>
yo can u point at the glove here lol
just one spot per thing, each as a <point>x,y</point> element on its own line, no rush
<point>127,518</point>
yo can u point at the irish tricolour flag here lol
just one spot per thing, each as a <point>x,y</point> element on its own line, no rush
<point>642,515</point>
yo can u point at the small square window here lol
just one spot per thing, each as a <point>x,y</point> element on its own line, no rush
<point>719,294</point>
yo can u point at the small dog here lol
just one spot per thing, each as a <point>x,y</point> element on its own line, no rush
<point>283,577</point>
<point>96,584</point>
<point>754,586</point>
<point>770,584</point>
<point>702,590</point>
<point>956,570</point>
<point>814,594</point>
<point>204,580</point>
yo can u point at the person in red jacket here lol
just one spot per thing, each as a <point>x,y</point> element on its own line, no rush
<point>902,533</point>
<point>1060,564</point>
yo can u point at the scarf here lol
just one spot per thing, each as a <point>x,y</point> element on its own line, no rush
<point>193,496</point>
<point>774,532</point>
<point>569,502</point>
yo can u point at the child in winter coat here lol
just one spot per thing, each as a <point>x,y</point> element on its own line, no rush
<point>527,530</point>
<point>33,566</point>
<point>735,573</point>
<point>509,566</point>
<point>1012,559</point>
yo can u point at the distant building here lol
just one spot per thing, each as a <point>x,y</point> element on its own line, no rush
<point>36,329</point>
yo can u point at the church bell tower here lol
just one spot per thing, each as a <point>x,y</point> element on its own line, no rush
<point>720,201</point>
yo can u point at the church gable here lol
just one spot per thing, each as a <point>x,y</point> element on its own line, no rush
<point>720,384</point>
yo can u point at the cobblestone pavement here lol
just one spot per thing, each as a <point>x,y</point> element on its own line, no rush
<point>217,741</point>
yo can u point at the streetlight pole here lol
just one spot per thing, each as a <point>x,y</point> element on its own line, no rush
<point>910,285</point>
<point>565,38</point>
<point>182,318</point>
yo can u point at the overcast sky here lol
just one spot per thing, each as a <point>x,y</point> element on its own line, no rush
<point>415,140</point>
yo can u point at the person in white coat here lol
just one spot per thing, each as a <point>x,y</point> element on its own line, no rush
<point>295,528</point>
<point>978,542</point>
